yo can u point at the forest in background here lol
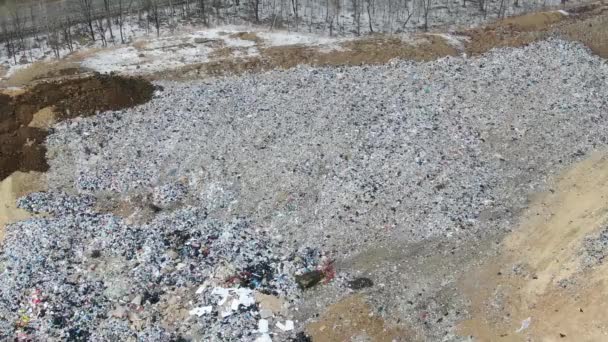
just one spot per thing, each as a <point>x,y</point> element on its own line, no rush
<point>62,24</point>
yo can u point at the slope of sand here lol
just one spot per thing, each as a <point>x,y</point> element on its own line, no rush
<point>543,272</point>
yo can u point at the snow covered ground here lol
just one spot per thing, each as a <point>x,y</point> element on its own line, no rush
<point>151,54</point>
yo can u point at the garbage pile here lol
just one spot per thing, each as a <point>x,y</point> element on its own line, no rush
<point>240,174</point>
<point>76,274</point>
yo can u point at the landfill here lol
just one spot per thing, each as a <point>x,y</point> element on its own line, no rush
<point>240,195</point>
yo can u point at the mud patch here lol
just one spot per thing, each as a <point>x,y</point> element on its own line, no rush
<point>353,320</point>
<point>22,147</point>
<point>543,272</point>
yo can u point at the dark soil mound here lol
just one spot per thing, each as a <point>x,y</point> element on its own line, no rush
<point>22,148</point>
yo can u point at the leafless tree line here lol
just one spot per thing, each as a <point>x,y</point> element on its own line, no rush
<point>34,25</point>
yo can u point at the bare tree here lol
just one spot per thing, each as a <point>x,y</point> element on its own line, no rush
<point>357,16</point>
<point>369,16</point>
<point>501,9</point>
<point>54,38</point>
<point>9,41</point>
<point>482,6</point>
<point>426,9</point>
<point>108,14</point>
<point>101,29</point>
<point>121,17</point>
<point>255,4</point>
<point>86,10</point>
<point>294,7</point>
<point>18,23</point>
<point>202,10</point>
<point>33,19</point>
<point>409,13</point>
<point>66,29</point>
<point>154,15</point>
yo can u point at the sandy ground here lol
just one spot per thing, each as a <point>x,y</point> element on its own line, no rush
<point>12,188</point>
<point>353,319</point>
<point>541,273</point>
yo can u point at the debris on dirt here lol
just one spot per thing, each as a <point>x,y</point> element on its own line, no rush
<point>62,269</point>
<point>588,25</point>
<point>268,303</point>
<point>525,324</point>
<point>309,279</point>
<point>596,248</point>
<point>351,318</point>
<point>360,283</point>
<point>22,147</point>
<point>263,326</point>
<point>332,158</point>
<point>301,337</point>
<point>287,326</point>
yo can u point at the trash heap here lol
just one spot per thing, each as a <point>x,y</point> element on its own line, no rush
<point>76,274</point>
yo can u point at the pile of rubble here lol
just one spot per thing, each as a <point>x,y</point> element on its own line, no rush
<point>76,274</point>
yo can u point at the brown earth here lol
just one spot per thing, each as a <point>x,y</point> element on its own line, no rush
<point>22,146</point>
<point>353,320</point>
<point>544,271</point>
<point>587,24</point>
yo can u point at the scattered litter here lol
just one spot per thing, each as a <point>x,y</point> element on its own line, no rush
<point>201,289</point>
<point>288,326</point>
<point>263,326</point>
<point>201,311</point>
<point>270,303</point>
<point>309,279</point>
<point>219,267</point>
<point>265,313</point>
<point>366,154</point>
<point>524,324</point>
<point>360,283</point>
<point>263,338</point>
